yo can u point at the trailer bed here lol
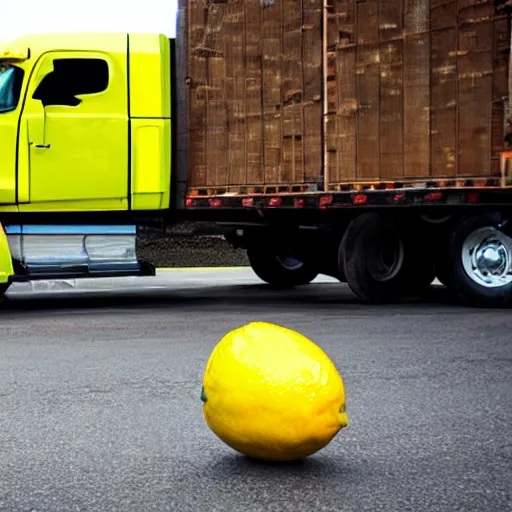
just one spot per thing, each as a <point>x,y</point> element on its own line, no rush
<point>293,97</point>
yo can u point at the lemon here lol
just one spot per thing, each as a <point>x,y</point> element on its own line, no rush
<point>271,393</point>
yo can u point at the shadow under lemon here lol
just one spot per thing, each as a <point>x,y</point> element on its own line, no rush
<point>272,394</point>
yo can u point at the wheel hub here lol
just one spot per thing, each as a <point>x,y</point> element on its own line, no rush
<point>290,262</point>
<point>487,257</point>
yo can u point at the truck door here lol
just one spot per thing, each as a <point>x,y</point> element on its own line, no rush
<point>74,134</point>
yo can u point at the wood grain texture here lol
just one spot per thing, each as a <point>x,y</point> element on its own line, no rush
<point>475,99</point>
<point>346,109</point>
<point>410,90</point>
<point>368,89</point>
<point>444,102</point>
<point>391,110</point>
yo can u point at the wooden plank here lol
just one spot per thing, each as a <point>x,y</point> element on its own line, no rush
<point>197,158</point>
<point>346,116</point>
<point>197,66</point>
<point>443,14</point>
<point>474,11</point>
<point>346,94</point>
<point>501,52</point>
<point>312,50</point>
<point>475,97</point>
<point>368,78</point>
<point>216,143</point>
<point>444,102</point>
<point>367,22</point>
<point>254,109</point>
<point>313,146</point>
<point>416,17</point>
<point>391,14</point>
<point>313,90</point>
<point>368,89</point>
<point>292,93</point>
<point>292,139</point>
<point>180,172</point>
<point>195,11</point>
<point>216,123</point>
<point>197,122</point>
<point>271,90</point>
<point>416,105</point>
<point>235,69</point>
<point>331,135</point>
<point>416,83</point>
<point>391,116</point>
<point>293,165</point>
<point>346,21</point>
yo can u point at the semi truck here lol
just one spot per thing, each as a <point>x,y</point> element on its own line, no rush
<point>368,141</point>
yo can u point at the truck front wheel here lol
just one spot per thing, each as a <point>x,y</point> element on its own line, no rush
<point>383,261</point>
<point>281,271</point>
<point>477,262</point>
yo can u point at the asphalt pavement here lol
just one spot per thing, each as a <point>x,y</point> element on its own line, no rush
<point>100,404</point>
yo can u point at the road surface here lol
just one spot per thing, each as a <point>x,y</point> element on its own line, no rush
<point>100,400</point>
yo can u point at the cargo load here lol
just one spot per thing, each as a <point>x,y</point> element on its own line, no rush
<point>292,95</point>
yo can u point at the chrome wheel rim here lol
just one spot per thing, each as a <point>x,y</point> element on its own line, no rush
<point>487,257</point>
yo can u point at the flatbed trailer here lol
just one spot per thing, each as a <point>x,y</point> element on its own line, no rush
<point>369,141</point>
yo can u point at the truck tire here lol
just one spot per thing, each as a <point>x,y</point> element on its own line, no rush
<point>476,262</point>
<point>384,262</point>
<point>280,272</point>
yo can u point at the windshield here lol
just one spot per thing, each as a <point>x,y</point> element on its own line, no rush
<point>11,79</point>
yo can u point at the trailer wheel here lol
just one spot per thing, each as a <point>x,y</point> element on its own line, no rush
<point>281,271</point>
<point>383,262</point>
<point>477,262</point>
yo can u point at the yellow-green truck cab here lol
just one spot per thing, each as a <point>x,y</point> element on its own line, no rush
<point>72,109</point>
<point>85,126</point>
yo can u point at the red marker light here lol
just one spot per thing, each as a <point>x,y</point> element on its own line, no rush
<point>399,197</point>
<point>215,203</point>
<point>274,201</point>
<point>360,199</point>
<point>434,196</point>
<point>326,200</point>
<point>473,197</point>
<point>247,202</point>
<point>300,203</point>
<point>189,202</point>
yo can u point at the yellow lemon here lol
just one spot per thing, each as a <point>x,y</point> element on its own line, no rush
<point>271,393</point>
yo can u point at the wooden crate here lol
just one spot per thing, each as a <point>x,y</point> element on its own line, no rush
<point>419,89</point>
<point>287,92</point>
<point>254,114</point>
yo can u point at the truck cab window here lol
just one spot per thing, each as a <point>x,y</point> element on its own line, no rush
<point>11,79</point>
<point>70,78</point>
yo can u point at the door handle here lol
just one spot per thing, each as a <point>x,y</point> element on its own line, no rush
<point>41,146</point>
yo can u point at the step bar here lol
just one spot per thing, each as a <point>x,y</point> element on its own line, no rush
<point>74,251</point>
